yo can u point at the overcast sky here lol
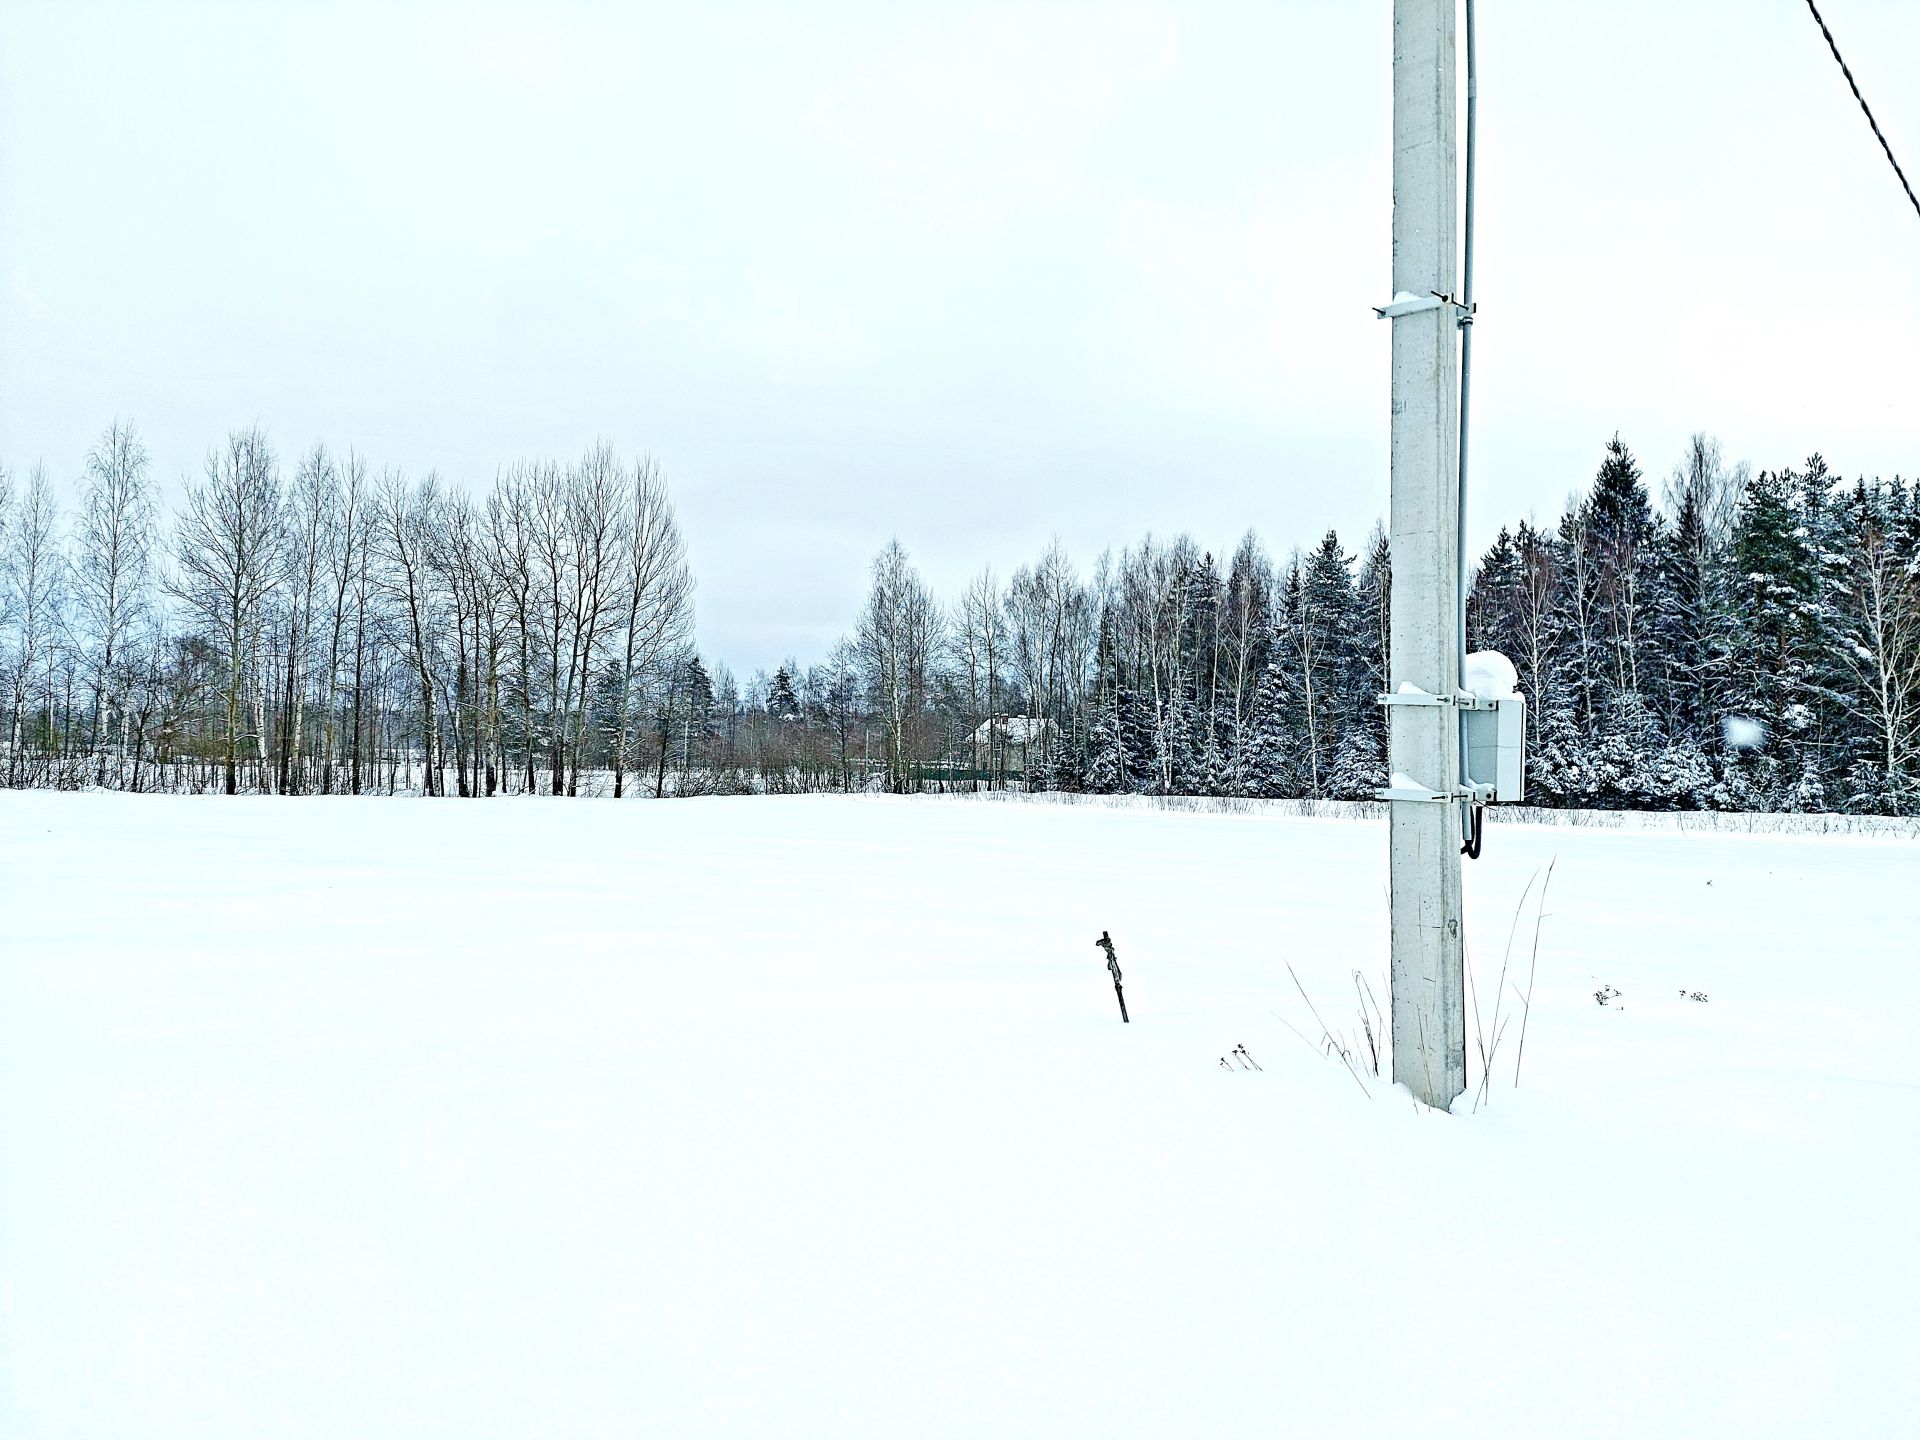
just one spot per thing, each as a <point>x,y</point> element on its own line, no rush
<point>971,275</point>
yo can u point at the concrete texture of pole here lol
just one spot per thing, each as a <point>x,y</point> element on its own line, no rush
<point>1429,1001</point>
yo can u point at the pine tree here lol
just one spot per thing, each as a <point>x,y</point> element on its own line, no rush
<point>1272,767</point>
<point>1624,534</point>
<point>1691,630</point>
<point>1119,739</point>
<point>1373,597</point>
<point>1560,760</point>
<point>1491,622</point>
<point>1201,647</point>
<point>1320,611</point>
<point>1772,591</point>
<point>1359,766</point>
<point>782,703</point>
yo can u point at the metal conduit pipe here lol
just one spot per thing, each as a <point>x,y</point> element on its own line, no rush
<point>1469,829</point>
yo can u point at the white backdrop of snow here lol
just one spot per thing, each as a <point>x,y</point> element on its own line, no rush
<point>814,1117</point>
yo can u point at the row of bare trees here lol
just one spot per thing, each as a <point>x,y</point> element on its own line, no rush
<point>337,630</point>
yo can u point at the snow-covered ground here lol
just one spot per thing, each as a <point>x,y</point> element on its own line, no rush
<point>815,1117</point>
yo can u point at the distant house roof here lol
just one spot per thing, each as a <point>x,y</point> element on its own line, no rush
<point>1015,729</point>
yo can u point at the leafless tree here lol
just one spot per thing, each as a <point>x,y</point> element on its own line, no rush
<point>656,604</point>
<point>471,581</point>
<point>511,550</point>
<point>313,507</point>
<point>35,585</point>
<point>1714,487</point>
<point>1153,600</point>
<point>227,549</point>
<point>596,514</point>
<point>556,571</point>
<point>979,643</point>
<point>899,632</point>
<point>409,521</point>
<point>1880,608</point>
<point>112,572</point>
<point>349,585</point>
<point>836,684</point>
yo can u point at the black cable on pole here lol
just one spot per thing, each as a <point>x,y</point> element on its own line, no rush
<point>1854,85</point>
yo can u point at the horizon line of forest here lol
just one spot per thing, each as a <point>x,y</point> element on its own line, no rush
<point>320,629</point>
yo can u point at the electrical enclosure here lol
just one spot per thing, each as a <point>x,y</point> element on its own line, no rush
<point>1494,741</point>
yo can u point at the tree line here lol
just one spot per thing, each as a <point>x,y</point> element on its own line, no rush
<point>1751,641</point>
<point>320,629</point>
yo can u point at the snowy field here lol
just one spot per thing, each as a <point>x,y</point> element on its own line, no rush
<point>814,1117</point>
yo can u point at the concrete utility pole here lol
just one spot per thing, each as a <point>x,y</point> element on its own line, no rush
<point>1429,1002</point>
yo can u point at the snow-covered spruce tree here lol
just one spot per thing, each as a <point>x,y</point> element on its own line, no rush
<point>1316,615</point>
<point>1107,759</point>
<point>1274,755</point>
<point>1560,765</point>
<point>1201,645</point>
<point>1683,776</point>
<point>1491,619</point>
<point>1808,794</point>
<point>1691,627</point>
<point>1371,647</point>
<point>1772,593</point>
<point>1823,519</point>
<point>1359,764</point>
<point>1693,623</point>
<point>1624,537</point>
<point>1632,766</point>
<point>1325,627</point>
<point>1624,531</point>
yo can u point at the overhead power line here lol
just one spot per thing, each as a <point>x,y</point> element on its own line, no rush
<point>1865,110</point>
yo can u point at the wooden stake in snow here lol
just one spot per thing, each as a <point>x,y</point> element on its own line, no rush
<point>1105,942</point>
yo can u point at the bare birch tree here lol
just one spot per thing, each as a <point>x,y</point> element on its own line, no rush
<point>409,517</point>
<point>347,580</point>
<point>1880,649</point>
<point>511,548</point>
<point>35,585</point>
<point>112,573</point>
<point>227,562</point>
<point>898,634</point>
<point>656,605</point>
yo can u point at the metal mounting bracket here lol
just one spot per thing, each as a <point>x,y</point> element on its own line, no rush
<point>1459,699</point>
<point>1480,794</point>
<point>1407,303</point>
